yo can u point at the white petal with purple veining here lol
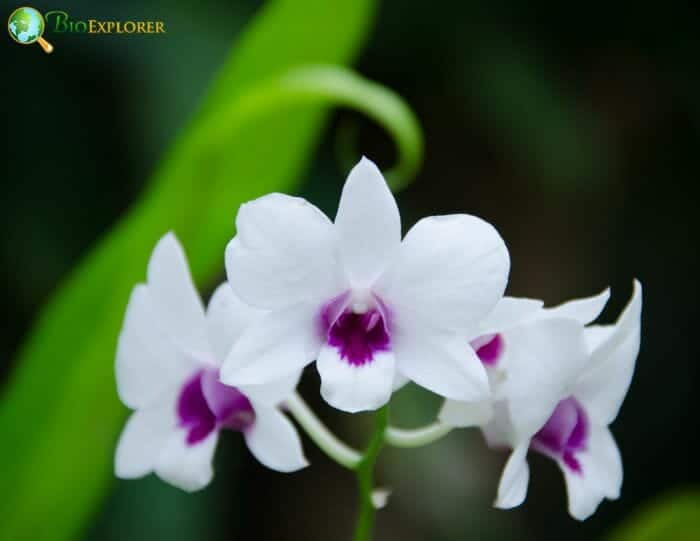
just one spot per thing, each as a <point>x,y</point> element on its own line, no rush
<point>188,467</point>
<point>542,360</point>
<point>354,388</point>
<point>600,477</point>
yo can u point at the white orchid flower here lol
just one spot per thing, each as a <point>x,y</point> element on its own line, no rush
<point>531,354</point>
<point>576,433</point>
<point>371,309</point>
<point>167,370</point>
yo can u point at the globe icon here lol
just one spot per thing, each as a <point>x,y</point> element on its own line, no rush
<point>26,25</point>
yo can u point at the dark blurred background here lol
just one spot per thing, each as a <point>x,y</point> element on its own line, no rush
<point>574,130</point>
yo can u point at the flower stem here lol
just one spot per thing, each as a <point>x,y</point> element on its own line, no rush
<point>342,453</point>
<point>365,474</point>
<point>418,437</point>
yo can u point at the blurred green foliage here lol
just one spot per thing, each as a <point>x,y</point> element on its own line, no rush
<point>673,517</point>
<point>548,130</point>
<point>253,134</point>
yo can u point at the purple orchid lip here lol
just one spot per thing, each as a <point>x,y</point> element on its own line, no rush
<point>357,335</point>
<point>565,434</point>
<point>489,348</point>
<point>205,404</point>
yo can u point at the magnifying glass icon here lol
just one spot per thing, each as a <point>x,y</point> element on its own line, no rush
<point>26,26</point>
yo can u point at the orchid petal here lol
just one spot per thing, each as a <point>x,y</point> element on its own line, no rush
<point>143,439</point>
<point>583,310</point>
<point>227,318</point>
<point>400,381</point>
<point>604,384</point>
<point>274,392</point>
<point>449,273</point>
<point>175,299</point>
<point>148,362</point>
<point>595,335</point>
<point>441,362</point>
<point>284,253</point>
<point>188,467</point>
<point>498,432</point>
<point>280,343</point>
<point>367,223</point>
<point>542,361</point>
<point>600,476</point>
<point>352,388</point>
<point>509,311</point>
<point>512,489</point>
<point>274,441</point>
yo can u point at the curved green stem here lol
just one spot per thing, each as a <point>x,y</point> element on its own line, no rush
<point>417,437</point>
<point>342,453</point>
<point>365,476</point>
<point>363,464</point>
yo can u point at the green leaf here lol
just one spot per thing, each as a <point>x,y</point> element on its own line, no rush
<point>254,133</point>
<point>673,517</point>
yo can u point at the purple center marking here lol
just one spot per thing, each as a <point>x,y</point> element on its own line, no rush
<point>489,348</point>
<point>205,404</point>
<point>564,434</point>
<point>357,336</point>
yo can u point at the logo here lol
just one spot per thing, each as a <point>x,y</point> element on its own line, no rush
<point>26,26</point>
